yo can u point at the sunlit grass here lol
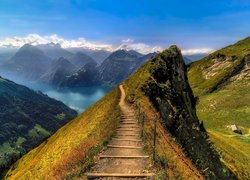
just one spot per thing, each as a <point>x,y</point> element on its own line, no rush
<point>72,148</point>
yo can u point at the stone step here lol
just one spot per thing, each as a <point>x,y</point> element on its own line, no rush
<point>128,123</point>
<point>122,157</point>
<point>127,130</point>
<point>125,147</point>
<point>121,175</point>
<point>122,139</point>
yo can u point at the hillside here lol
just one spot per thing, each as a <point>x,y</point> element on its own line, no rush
<point>222,82</point>
<point>158,87</point>
<point>26,119</point>
<point>70,151</point>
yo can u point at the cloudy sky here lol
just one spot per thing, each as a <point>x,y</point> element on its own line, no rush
<point>144,25</point>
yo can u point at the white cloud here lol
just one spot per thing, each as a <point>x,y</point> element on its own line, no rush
<point>140,47</point>
<point>36,39</point>
<point>127,44</point>
<point>197,51</point>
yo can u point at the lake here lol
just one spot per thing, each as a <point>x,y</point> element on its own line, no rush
<point>78,99</point>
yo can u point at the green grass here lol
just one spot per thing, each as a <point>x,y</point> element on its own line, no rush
<point>20,141</point>
<point>219,110</point>
<point>60,116</point>
<point>72,149</point>
<point>2,80</point>
<point>38,131</point>
<point>229,104</point>
<point>205,74</point>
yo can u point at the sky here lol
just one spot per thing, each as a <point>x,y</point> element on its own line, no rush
<point>192,25</point>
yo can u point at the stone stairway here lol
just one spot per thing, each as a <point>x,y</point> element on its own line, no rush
<point>123,158</point>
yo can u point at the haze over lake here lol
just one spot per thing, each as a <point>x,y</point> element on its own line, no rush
<point>78,99</point>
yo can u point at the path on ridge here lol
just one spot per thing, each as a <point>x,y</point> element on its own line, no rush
<point>123,158</point>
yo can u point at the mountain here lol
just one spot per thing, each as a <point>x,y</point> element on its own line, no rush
<point>99,56</point>
<point>26,119</point>
<point>88,75</point>
<point>196,57</point>
<point>221,82</point>
<point>80,59</point>
<point>135,53</point>
<point>158,87</point>
<point>119,65</point>
<point>6,54</point>
<point>54,51</point>
<point>141,60</point>
<point>60,70</point>
<point>187,60</point>
<point>29,62</point>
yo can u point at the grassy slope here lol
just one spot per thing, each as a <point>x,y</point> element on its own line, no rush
<point>205,74</point>
<point>230,104</point>
<point>27,118</point>
<point>70,151</point>
<point>169,162</point>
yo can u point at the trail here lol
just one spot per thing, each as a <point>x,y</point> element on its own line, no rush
<point>123,158</point>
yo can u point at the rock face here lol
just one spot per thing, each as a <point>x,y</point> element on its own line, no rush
<point>171,94</point>
<point>26,119</point>
<point>60,70</point>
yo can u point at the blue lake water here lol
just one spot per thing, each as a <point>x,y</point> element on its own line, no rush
<point>78,99</point>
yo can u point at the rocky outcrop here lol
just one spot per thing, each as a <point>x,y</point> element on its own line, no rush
<point>169,91</point>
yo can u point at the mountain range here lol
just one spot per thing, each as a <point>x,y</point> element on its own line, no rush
<point>44,63</point>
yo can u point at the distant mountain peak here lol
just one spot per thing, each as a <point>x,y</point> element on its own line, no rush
<point>57,45</point>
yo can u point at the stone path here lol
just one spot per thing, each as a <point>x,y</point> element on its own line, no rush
<point>123,158</point>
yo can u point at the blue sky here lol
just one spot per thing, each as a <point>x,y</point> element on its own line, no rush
<point>189,24</point>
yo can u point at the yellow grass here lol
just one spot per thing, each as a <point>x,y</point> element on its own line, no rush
<point>72,148</point>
